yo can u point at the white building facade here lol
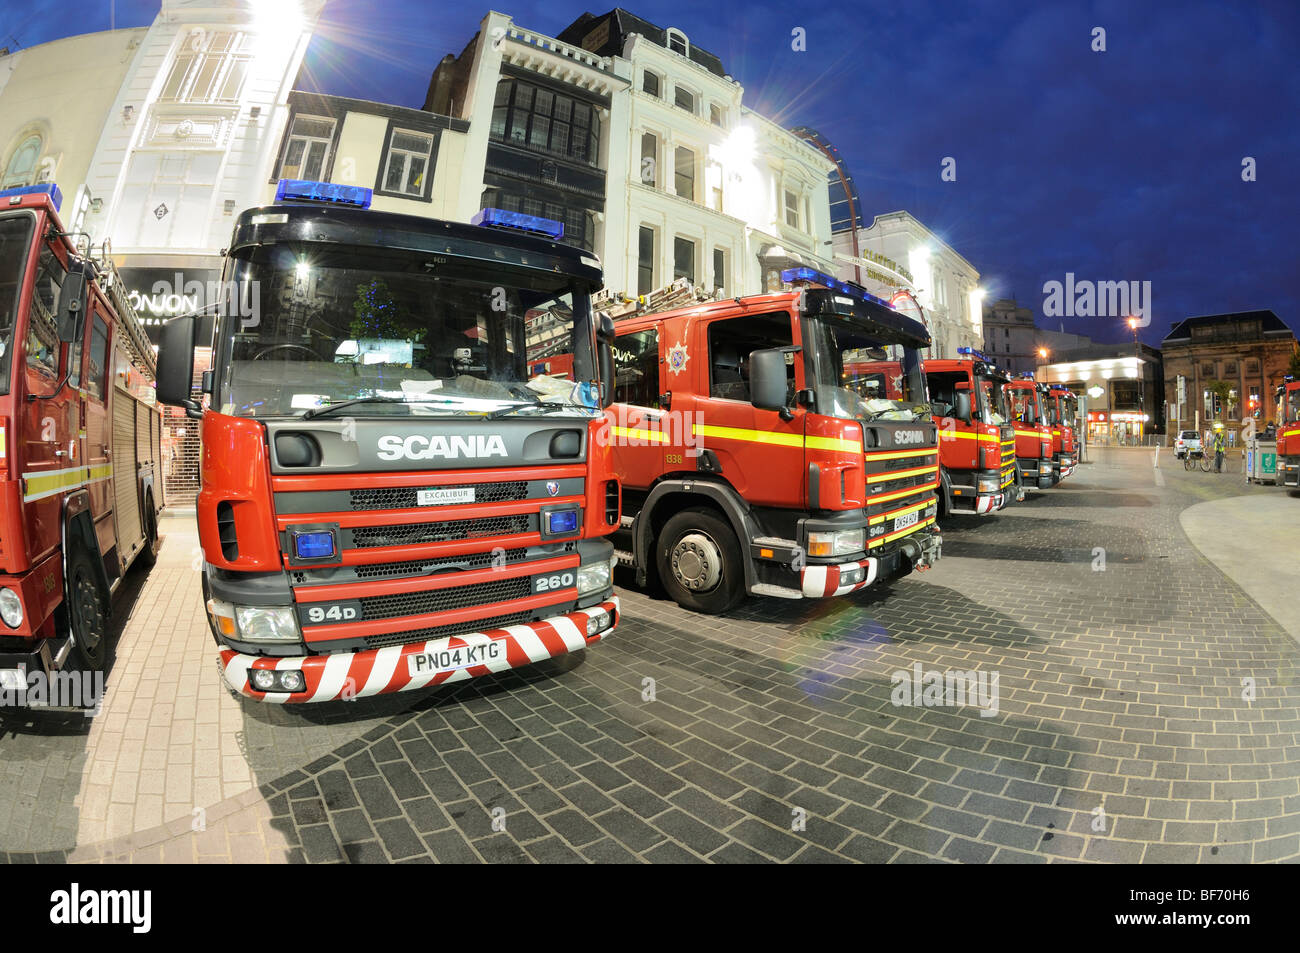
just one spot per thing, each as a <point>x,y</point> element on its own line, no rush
<point>898,252</point>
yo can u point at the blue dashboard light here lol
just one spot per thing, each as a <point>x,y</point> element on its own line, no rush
<point>500,218</point>
<point>561,521</point>
<point>42,188</point>
<point>313,545</point>
<point>324,193</point>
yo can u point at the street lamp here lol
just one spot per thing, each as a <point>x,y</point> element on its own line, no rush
<point>1042,356</point>
<point>1133,325</point>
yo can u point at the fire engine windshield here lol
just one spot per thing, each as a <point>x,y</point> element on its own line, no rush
<point>310,328</point>
<point>859,370</point>
<point>1025,406</point>
<point>1293,405</point>
<point>15,242</point>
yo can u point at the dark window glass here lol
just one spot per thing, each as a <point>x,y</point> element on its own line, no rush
<point>677,43</point>
<point>684,259</point>
<point>684,99</point>
<point>42,333</point>
<point>719,269</point>
<point>684,170</point>
<point>98,359</point>
<point>715,114</point>
<point>636,368</point>
<point>730,343</point>
<point>645,261</point>
<point>649,159</point>
<point>650,83</point>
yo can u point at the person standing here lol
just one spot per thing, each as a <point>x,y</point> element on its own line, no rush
<point>1218,451</point>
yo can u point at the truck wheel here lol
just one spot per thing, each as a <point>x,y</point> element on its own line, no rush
<point>1020,483</point>
<point>88,612</point>
<point>149,555</point>
<point>699,562</point>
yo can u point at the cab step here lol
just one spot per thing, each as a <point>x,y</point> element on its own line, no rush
<point>778,592</point>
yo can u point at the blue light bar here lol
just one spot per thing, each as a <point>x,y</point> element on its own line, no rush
<point>313,545</point>
<point>813,276</point>
<point>42,188</point>
<point>561,521</point>
<point>323,193</point>
<point>977,355</point>
<point>500,218</point>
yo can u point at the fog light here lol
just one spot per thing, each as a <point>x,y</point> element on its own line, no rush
<point>13,679</point>
<point>852,577</point>
<point>11,608</point>
<point>598,622</point>
<point>263,679</point>
<point>291,680</point>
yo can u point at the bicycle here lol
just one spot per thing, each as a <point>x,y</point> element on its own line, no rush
<point>1190,458</point>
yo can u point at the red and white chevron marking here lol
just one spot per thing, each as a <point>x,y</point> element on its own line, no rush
<point>350,675</point>
<point>820,582</point>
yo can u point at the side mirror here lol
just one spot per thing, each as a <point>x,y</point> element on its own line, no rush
<point>605,354</point>
<point>72,304</point>
<point>604,326</point>
<point>961,405</point>
<point>767,381</point>
<point>176,365</point>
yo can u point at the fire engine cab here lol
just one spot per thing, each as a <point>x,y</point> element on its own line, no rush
<point>1288,433</point>
<point>80,487</point>
<point>1062,407</point>
<point>392,498</point>
<point>977,451</point>
<point>1031,424</point>
<point>777,444</point>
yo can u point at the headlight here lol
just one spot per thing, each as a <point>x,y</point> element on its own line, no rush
<point>266,624</point>
<point>839,543</point>
<point>11,608</point>
<point>593,577</point>
<point>989,485</point>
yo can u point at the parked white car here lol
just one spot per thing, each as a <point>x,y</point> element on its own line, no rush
<point>1187,440</point>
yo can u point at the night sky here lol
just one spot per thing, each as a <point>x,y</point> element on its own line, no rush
<point>1116,165</point>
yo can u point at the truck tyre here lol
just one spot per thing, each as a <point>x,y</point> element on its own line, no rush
<point>945,495</point>
<point>1020,483</point>
<point>149,555</point>
<point>699,562</point>
<point>88,613</point>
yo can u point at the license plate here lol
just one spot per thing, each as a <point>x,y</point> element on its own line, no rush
<point>451,659</point>
<point>442,496</point>
<point>907,519</point>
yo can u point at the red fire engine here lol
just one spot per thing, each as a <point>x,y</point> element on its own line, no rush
<point>1062,406</point>
<point>776,444</point>
<point>1033,432</point>
<point>977,449</point>
<point>390,500</point>
<point>79,443</point>
<point>1288,433</point>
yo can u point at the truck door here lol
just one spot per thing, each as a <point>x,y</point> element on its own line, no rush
<point>49,425</point>
<point>756,451</point>
<point>640,439</point>
<point>99,435</point>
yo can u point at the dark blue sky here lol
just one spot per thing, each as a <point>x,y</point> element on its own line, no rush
<point>1122,165</point>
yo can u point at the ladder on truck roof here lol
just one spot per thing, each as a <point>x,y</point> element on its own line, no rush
<point>137,342</point>
<point>675,294</point>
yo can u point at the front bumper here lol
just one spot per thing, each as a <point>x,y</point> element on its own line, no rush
<point>822,582</point>
<point>1288,471</point>
<point>1065,465</point>
<point>349,675</point>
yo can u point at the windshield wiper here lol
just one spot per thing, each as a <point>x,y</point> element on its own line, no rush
<point>506,411</point>
<point>329,408</point>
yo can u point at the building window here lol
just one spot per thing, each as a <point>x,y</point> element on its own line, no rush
<point>1006,332</point>
<point>715,114</point>
<point>579,223</point>
<point>684,99</point>
<point>645,260</point>
<point>678,43</point>
<point>210,68</point>
<point>408,162</point>
<point>791,209</point>
<point>684,259</point>
<point>538,119</point>
<point>719,271</point>
<point>21,169</point>
<point>684,173</point>
<point>307,152</point>
<point>636,368</point>
<point>650,84</point>
<point>650,159</point>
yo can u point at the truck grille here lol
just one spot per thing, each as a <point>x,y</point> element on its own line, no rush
<point>406,497</point>
<point>439,631</point>
<point>406,534</point>
<point>442,600</point>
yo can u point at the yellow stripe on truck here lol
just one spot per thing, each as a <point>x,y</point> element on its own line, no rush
<point>773,438</point>
<point>39,484</point>
<point>654,436</point>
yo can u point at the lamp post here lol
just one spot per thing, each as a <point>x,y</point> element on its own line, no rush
<point>1137,369</point>
<point>1042,358</point>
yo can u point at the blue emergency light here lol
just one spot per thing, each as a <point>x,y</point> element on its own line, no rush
<point>561,522</point>
<point>977,355</point>
<point>500,218</point>
<point>313,545</point>
<point>41,188</point>
<point>323,193</point>
<point>813,276</point>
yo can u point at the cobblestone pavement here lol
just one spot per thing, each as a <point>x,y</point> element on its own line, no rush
<point>1147,710</point>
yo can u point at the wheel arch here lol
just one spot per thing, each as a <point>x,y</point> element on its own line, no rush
<point>670,497</point>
